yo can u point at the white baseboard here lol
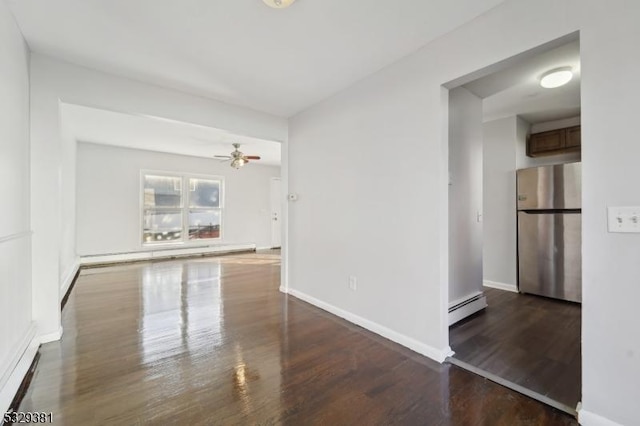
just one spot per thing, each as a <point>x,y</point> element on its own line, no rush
<point>162,253</point>
<point>462,309</point>
<point>13,373</point>
<point>587,418</point>
<point>51,337</point>
<point>438,355</point>
<point>68,278</point>
<point>17,369</point>
<point>500,286</point>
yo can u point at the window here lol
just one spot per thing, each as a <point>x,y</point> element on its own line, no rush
<point>204,208</point>
<point>179,208</point>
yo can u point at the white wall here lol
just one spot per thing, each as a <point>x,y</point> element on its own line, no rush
<point>465,195</point>
<point>367,207</point>
<point>67,261</point>
<point>499,182</point>
<point>15,235</point>
<point>53,170</point>
<point>610,172</point>
<point>108,197</point>
<point>402,109</point>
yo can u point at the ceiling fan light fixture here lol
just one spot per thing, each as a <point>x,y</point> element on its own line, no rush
<point>236,163</point>
<point>278,4</point>
<point>556,77</point>
<point>237,158</point>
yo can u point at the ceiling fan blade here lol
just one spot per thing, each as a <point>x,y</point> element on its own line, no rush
<point>226,157</point>
<point>252,157</point>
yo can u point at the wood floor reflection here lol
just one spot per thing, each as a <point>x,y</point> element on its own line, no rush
<point>212,341</point>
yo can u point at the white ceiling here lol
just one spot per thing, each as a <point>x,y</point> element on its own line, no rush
<point>516,90</point>
<point>153,134</point>
<point>241,51</point>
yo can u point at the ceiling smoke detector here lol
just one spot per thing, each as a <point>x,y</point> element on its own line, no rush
<point>556,77</point>
<point>278,4</point>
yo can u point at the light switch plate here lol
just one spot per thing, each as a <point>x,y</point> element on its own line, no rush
<point>624,219</point>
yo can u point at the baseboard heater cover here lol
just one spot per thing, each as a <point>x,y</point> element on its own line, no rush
<point>467,307</point>
<point>161,253</point>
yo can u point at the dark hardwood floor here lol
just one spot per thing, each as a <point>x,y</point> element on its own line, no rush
<point>529,340</point>
<point>211,341</point>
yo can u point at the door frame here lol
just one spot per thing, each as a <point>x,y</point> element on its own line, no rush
<point>271,213</point>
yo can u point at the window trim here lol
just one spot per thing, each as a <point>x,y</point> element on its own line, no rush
<point>184,208</point>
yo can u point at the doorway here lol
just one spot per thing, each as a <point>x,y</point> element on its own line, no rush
<point>276,213</point>
<point>502,120</point>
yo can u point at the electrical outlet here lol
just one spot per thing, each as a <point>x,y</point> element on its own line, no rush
<point>353,283</point>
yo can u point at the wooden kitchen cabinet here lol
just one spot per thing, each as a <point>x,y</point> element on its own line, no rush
<point>554,142</point>
<point>573,137</point>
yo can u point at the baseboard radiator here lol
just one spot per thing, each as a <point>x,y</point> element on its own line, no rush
<point>162,253</point>
<point>466,307</point>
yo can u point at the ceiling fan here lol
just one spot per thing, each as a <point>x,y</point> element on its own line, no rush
<point>238,159</point>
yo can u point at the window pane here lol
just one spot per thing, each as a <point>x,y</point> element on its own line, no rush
<point>204,193</point>
<point>165,225</point>
<point>162,191</point>
<point>204,224</point>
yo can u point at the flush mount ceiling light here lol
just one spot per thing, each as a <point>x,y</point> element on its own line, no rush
<point>556,77</point>
<point>278,4</point>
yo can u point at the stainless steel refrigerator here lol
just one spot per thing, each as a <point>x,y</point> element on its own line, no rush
<point>550,231</point>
